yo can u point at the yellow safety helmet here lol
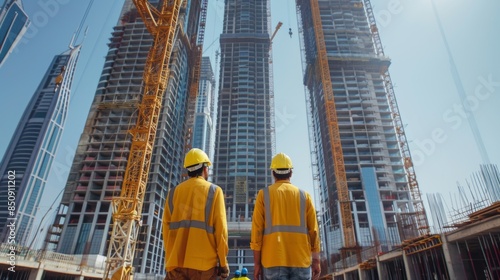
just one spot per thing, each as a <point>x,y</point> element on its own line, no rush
<point>195,159</point>
<point>281,164</point>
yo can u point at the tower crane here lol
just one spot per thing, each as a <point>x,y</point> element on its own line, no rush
<point>161,22</point>
<point>278,26</point>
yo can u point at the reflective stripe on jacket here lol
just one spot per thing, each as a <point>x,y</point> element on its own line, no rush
<point>195,226</point>
<point>284,226</point>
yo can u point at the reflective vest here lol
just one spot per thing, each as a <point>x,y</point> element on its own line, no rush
<point>301,228</point>
<point>284,226</point>
<point>195,226</point>
<point>193,223</point>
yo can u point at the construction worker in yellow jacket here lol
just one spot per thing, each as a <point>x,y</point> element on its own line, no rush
<point>285,237</point>
<point>195,226</point>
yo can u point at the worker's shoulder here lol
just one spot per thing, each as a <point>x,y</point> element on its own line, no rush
<point>290,188</point>
<point>217,187</point>
<point>284,186</point>
<point>195,182</point>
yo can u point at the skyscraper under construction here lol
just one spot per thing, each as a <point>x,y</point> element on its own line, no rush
<point>83,221</point>
<point>368,191</point>
<point>245,123</point>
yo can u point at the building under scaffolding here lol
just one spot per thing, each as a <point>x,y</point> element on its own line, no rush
<point>368,193</point>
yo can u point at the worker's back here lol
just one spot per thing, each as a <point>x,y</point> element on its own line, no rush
<point>289,215</point>
<point>194,246</point>
<point>284,203</point>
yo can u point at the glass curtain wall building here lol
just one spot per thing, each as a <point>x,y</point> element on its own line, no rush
<point>33,146</point>
<point>82,224</point>
<point>245,125</point>
<point>378,188</point>
<point>13,24</point>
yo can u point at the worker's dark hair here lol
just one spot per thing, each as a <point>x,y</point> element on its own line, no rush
<point>282,176</point>
<point>197,172</point>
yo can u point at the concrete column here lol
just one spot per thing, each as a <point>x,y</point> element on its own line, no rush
<point>408,267</point>
<point>380,268</point>
<point>453,260</point>
<point>37,273</point>
<point>362,274</point>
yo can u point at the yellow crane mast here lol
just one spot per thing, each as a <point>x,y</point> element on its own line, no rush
<point>161,23</point>
<point>350,244</point>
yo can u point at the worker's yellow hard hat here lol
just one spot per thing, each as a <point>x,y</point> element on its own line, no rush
<point>195,159</point>
<point>281,163</point>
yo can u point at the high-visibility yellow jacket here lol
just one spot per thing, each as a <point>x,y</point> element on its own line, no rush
<point>284,226</point>
<point>195,226</point>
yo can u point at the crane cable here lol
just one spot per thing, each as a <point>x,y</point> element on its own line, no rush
<point>288,14</point>
<point>82,22</point>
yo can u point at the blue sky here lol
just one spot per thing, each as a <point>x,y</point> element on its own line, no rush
<point>441,142</point>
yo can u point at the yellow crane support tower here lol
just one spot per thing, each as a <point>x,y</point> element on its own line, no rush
<point>350,245</point>
<point>161,23</point>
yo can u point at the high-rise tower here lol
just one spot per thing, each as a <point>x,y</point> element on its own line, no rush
<point>83,220</point>
<point>205,110</point>
<point>34,144</point>
<point>13,24</point>
<point>343,55</point>
<point>245,124</point>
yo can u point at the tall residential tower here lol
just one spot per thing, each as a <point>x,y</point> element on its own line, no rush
<point>82,224</point>
<point>245,124</point>
<point>343,55</point>
<point>33,146</point>
<point>13,24</point>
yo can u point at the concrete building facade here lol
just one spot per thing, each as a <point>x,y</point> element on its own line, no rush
<point>378,188</point>
<point>245,125</point>
<point>82,224</point>
<point>33,146</point>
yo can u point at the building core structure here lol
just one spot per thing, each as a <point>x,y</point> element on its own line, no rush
<point>84,217</point>
<point>13,24</point>
<point>205,110</point>
<point>385,206</point>
<point>28,159</point>
<point>245,125</point>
